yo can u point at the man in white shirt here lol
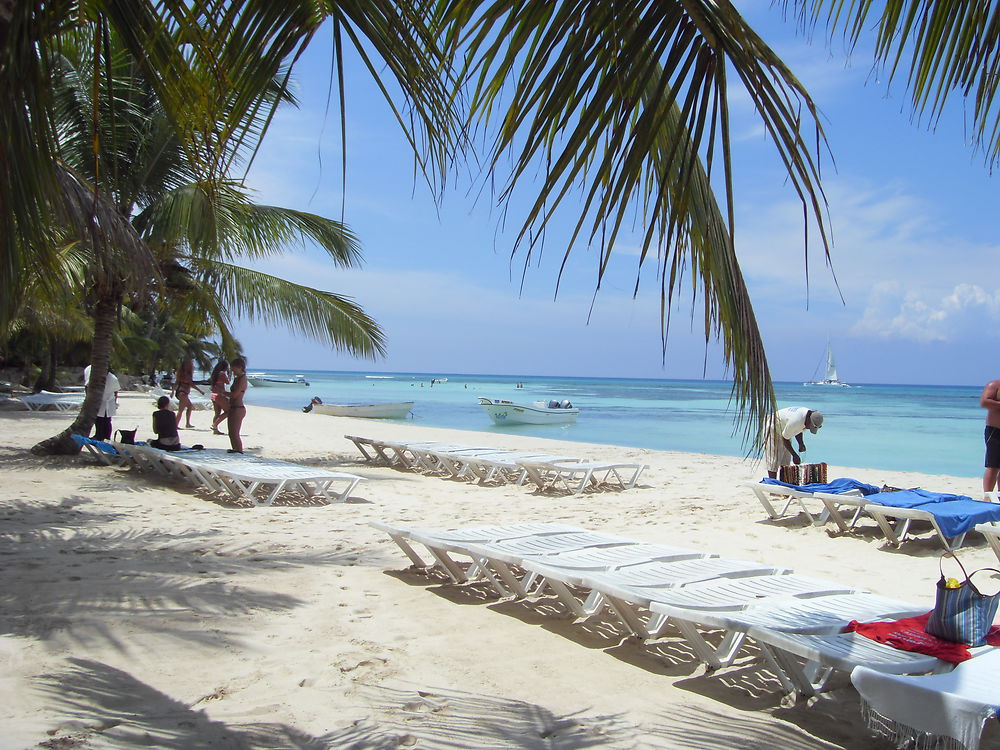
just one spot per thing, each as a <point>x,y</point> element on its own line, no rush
<point>791,422</point>
<point>108,407</point>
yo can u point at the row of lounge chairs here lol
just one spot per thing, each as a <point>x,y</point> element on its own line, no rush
<point>488,465</point>
<point>53,401</point>
<point>950,516</point>
<point>654,591</point>
<point>241,477</point>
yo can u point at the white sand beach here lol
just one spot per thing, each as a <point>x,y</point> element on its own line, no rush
<point>137,612</point>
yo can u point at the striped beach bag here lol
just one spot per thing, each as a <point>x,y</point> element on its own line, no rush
<point>962,613</point>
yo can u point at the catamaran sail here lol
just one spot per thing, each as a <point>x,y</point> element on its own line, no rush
<point>832,378</point>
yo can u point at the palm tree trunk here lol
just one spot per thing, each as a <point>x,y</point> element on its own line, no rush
<point>47,377</point>
<point>105,312</point>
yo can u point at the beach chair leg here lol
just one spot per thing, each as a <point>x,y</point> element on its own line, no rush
<point>408,550</point>
<point>452,568</point>
<point>511,586</point>
<point>628,617</point>
<point>883,523</point>
<point>762,496</point>
<point>568,600</point>
<point>713,656</point>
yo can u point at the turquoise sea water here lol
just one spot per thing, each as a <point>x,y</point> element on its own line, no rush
<point>931,429</point>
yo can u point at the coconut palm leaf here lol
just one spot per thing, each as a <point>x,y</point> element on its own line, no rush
<point>221,221</point>
<point>942,47</point>
<point>628,103</point>
<point>331,319</point>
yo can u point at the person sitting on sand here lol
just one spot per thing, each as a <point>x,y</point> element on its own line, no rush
<point>237,411</point>
<point>165,427</point>
<point>220,401</point>
<point>183,383</point>
<point>788,423</point>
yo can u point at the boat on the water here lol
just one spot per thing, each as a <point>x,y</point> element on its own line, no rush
<point>832,378</point>
<point>370,411</point>
<point>538,412</point>
<point>263,380</point>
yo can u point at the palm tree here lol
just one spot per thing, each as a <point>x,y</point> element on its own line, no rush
<point>202,227</point>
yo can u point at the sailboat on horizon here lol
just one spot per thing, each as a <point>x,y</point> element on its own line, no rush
<point>832,378</point>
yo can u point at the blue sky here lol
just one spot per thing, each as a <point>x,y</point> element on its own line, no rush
<point>912,211</point>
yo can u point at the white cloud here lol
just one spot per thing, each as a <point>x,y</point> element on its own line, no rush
<point>967,310</point>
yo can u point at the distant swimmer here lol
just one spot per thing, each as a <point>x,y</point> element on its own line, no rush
<point>790,423</point>
<point>990,400</point>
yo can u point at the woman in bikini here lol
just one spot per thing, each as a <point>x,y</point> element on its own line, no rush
<point>183,383</point>
<point>220,400</point>
<point>237,411</point>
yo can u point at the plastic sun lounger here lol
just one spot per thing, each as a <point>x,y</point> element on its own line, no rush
<point>58,401</point>
<point>970,510</point>
<point>440,542</point>
<point>99,449</point>
<point>767,493</point>
<point>818,615</point>
<point>722,595</point>
<point>558,569</point>
<point>575,477</point>
<point>807,661</point>
<point>378,452</point>
<point>504,466</point>
<point>660,568</point>
<point>918,710</point>
<point>490,559</point>
<point>259,480</point>
<point>249,478</point>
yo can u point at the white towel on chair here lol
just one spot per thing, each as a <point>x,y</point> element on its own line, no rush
<point>953,705</point>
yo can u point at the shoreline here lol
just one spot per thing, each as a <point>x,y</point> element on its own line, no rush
<point>136,607</point>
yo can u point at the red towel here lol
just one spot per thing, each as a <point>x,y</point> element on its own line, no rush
<point>908,634</point>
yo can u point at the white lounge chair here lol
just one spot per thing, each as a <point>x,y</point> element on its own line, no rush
<point>721,595</point>
<point>770,494</point>
<point>658,569</point>
<point>250,478</point>
<point>937,710</point>
<point>807,661</point>
<point>56,401</point>
<point>439,543</point>
<point>826,614</point>
<point>966,511</point>
<point>576,477</point>
<point>99,449</point>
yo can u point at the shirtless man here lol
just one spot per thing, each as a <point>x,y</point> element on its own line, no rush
<point>990,400</point>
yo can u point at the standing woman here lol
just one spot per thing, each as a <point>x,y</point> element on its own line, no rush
<point>183,383</point>
<point>220,400</point>
<point>237,411</point>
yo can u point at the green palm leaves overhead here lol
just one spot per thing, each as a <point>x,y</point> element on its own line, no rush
<point>943,49</point>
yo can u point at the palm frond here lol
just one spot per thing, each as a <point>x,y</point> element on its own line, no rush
<point>331,319</point>
<point>221,221</point>
<point>627,103</point>
<point>943,47</point>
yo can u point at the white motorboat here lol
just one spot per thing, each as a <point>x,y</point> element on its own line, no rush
<point>263,380</point>
<point>538,412</point>
<point>370,411</point>
<point>832,378</point>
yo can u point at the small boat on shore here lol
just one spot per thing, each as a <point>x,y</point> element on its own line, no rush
<point>263,380</point>
<point>398,410</point>
<point>538,412</point>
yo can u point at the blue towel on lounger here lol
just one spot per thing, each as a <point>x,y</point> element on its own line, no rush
<point>959,516</point>
<point>914,498</point>
<point>99,444</point>
<point>834,487</point>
